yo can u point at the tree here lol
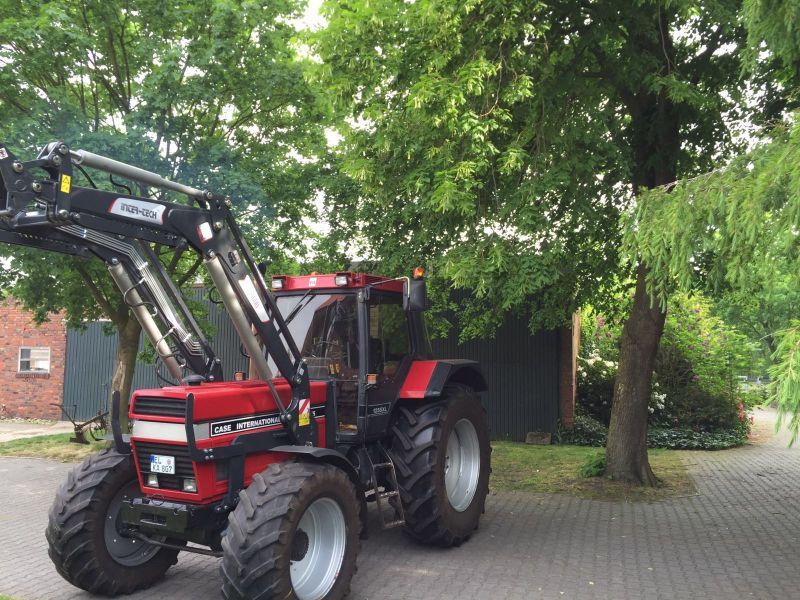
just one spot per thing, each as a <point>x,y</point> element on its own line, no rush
<point>501,140</point>
<point>210,93</point>
<point>739,224</point>
<point>763,303</point>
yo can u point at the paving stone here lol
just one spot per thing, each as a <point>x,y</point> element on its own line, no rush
<point>737,538</point>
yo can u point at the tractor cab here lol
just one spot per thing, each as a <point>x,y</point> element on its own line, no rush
<point>360,332</point>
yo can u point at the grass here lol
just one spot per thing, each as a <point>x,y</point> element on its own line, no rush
<point>56,446</point>
<point>515,467</point>
<point>555,469</point>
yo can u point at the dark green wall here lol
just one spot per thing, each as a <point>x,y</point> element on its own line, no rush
<point>521,371</point>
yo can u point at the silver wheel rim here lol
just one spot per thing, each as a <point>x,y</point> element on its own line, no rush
<point>462,465</point>
<point>127,551</point>
<point>318,549</point>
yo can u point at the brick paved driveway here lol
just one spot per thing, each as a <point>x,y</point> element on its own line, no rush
<point>739,538</point>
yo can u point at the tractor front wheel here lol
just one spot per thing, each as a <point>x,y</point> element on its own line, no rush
<point>441,454</point>
<point>84,534</point>
<point>294,535</point>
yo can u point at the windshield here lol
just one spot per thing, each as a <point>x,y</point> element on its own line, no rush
<point>325,328</point>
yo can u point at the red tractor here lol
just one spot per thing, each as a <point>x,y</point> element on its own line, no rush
<point>272,472</point>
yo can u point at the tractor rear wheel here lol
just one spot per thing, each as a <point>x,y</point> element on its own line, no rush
<point>293,535</point>
<point>441,454</point>
<point>83,530</point>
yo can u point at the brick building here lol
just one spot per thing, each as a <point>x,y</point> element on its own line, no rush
<point>32,361</point>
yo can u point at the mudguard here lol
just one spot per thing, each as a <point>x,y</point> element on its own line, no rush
<point>428,378</point>
<point>337,459</point>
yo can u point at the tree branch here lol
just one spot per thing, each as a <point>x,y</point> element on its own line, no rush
<point>176,256</point>
<point>188,275</point>
<point>97,294</point>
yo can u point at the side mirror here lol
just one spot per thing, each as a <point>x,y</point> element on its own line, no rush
<point>415,295</point>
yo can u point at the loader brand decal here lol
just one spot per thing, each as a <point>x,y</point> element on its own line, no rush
<point>66,184</point>
<point>378,410</point>
<point>305,410</point>
<point>254,422</point>
<point>137,209</point>
<point>3,153</point>
<point>249,289</point>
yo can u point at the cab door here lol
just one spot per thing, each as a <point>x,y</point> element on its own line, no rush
<point>388,359</point>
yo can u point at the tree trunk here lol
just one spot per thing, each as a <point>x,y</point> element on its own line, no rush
<point>125,364</point>
<point>656,144</point>
<point>626,450</point>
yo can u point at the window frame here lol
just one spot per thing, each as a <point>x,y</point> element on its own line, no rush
<point>30,371</point>
<point>379,295</point>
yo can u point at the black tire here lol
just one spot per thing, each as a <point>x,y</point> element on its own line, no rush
<point>260,539</point>
<point>76,529</point>
<point>419,445</point>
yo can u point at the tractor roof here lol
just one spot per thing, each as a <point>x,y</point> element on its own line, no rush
<point>343,279</point>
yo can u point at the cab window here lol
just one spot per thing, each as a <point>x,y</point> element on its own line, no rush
<point>388,335</point>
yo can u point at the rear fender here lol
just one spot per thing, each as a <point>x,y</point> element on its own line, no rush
<point>427,379</point>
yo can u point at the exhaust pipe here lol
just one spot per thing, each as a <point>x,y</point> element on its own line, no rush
<point>242,324</point>
<point>149,325</point>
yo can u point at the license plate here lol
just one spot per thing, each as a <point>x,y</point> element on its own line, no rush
<point>162,464</point>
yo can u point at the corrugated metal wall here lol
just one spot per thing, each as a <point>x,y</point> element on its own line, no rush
<point>521,371</point>
<point>522,374</point>
<point>90,361</point>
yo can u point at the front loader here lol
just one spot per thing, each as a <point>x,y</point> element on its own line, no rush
<point>343,404</point>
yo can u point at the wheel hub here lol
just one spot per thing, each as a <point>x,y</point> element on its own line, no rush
<point>462,465</point>
<point>299,545</point>
<point>125,550</point>
<point>318,549</point>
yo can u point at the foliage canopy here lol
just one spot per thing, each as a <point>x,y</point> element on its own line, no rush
<point>735,229</point>
<point>500,140</point>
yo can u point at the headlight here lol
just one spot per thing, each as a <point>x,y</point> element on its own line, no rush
<point>152,480</point>
<point>190,485</point>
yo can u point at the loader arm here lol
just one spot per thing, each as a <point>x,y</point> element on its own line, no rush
<point>48,212</point>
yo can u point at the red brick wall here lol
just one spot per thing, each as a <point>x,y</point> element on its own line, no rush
<point>30,395</point>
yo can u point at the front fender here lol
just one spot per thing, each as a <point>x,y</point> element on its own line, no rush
<point>337,459</point>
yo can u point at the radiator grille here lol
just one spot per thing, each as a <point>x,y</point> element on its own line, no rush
<point>161,407</point>
<point>183,464</point>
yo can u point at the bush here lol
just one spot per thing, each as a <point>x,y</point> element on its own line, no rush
<point>693,388</point>
<point>591,432</point>
<point>754,396</point>
<point>593,466</point>
<point>695,368</point>
<point>688,439</point>
<point>587,431</point>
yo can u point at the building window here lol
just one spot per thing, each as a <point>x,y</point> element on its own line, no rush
<point>34,360</point>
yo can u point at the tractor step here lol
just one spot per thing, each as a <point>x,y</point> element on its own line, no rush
<point>390,493</point>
